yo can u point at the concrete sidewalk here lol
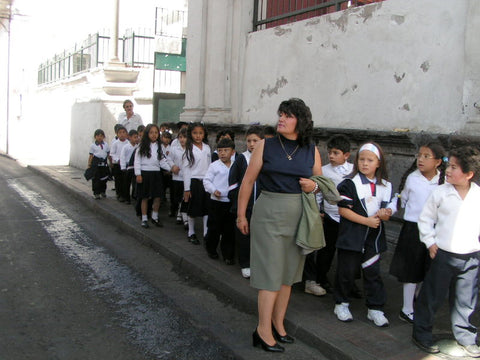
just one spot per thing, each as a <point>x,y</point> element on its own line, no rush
<point>309,318</point>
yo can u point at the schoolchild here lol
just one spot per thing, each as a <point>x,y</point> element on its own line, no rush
<point>115,152</point>
<point>98,161</point>
<point>126,164</point>
<point>410,260</point>
<point>269,131</point>
<point>166,139</point>
<point>196,160</point>
<point>148,163</point>
<point>221,221</point>
<point>179,126</point>
<point>176,156</point>
<point>140,130</point>
<point>317,264</point>
<point>237,171</point>
<point>223,134</point>
<point>450,229</point>
<point>361,234</point>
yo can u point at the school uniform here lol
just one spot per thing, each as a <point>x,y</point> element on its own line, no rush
<point>127,168</point>
<point>452,224</point>
<point>101,173</point>
<point>176,155</point>
<point>167,180</point>
<point>411,260</point>
<point>235,178</point>
<point>118,175</point>
<point>317,263</point>
<point>359,245</point>
<point>221,222</point>
<point>150,170</point>
<point>193,180</point>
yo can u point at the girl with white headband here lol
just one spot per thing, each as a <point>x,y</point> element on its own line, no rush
<point>361,238</point>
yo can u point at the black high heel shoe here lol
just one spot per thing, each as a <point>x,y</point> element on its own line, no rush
<point>257,340</point>
<point>286,339</point>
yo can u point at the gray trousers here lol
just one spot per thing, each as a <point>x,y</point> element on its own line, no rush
<point>454,275</point>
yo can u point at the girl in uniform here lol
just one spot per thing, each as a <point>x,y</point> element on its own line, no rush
<point>98,162</point>
<point>410,260</point>
<point>148,161</point>
<point>196,160</point>
<point>361,236</point>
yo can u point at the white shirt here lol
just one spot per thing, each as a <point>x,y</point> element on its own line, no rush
<point>337,175</point>
<point>450,222</point>
<point>199,168</point>
<point>100,151</point>
<point>117,149</point>
<point>130,124</point>
<point>415,194</point>
<point>143,163</point>
<point>215,179</point>
<point>126,154</point>
<point>176,156</point>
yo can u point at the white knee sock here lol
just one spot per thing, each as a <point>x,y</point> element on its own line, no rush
<point>154,215</point>
<point>408,295</point>
<point>205,228</point>
<point>191,226</point>
<point>144,217</point>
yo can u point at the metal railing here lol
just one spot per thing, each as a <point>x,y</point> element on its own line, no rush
<point>271,13</point>
<point>171,23</point>
<point>135,50</point>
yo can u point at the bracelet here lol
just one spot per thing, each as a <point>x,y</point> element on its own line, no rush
<point>315,189</point>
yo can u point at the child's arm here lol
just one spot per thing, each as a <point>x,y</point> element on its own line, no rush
<point>90,158</point>
<point>371,221</point>
<point>208,180</point>
<point>426,224</point>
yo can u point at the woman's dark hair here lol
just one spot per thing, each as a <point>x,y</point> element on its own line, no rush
<point>257,130</point>
<point>228,132</point>
<point>189,144</point>
<point>99,132</point>
<point>439,154</point>
<point>469,160</point>
<point>144,148</point>
<point>381,172</point>
<point>301,111</point>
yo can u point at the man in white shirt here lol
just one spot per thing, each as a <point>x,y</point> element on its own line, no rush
<point>129,119</point>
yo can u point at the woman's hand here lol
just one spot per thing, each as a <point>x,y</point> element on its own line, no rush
<point>242,225</point>
<point>307,185</point>
<point>433,251</point>
<point>139,179</point>
<point>186,196</point>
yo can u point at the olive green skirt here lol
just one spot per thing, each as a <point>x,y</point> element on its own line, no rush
<point>275,259</point>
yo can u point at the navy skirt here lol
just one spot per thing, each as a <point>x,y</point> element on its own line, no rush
<point>411,259</point>
<point>151,186</point>
<point>198,204</point>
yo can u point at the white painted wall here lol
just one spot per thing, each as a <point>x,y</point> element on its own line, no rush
<point>394,65</point>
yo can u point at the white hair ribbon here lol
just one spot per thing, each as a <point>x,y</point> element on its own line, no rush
<point>370,147</point>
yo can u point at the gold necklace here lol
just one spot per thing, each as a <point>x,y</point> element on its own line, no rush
<point>289,156</point>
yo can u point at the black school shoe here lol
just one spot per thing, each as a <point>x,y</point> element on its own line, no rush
<point>193,239</point>
<point>157,222</point>
<point>405,317</point>
<point>145,224</point>
<point>428,348</point>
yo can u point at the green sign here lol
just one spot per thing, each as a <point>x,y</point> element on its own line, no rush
<point>173,62</point>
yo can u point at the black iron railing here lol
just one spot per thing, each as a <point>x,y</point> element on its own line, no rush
<point>135,50</point>
<point>170,23</point>
<point>271,13</point>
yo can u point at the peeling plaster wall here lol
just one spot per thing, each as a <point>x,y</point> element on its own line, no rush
<point>398,64</point>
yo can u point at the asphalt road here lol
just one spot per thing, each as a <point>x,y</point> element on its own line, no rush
<point>73,286</point>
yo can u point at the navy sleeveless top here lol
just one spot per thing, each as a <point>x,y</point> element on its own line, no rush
<point>281,175</point>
